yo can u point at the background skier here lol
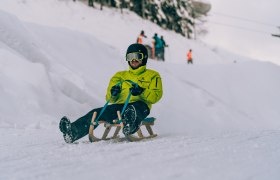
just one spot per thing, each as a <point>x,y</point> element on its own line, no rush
<point>162,51</point>
<point>189,57</point>
<point>157,46</point>
<point>140,37</point>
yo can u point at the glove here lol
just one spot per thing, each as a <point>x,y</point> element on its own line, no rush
<point>136,90</point>
<point>115,90</point>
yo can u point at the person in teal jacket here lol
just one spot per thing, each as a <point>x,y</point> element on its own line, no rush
<point>145,86</point>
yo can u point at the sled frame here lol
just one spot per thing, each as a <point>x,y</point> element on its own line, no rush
<point>148,123</point>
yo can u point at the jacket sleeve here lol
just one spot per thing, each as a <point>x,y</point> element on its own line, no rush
<point>114,80</point>
<point>154,92</point>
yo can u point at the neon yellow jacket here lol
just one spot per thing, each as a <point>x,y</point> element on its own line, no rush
<point>148,79</point>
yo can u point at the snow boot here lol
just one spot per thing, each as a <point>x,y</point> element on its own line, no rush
<point>65,128</point>
<point>130,120</point>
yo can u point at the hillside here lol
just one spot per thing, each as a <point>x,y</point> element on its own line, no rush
<point>216,120</point>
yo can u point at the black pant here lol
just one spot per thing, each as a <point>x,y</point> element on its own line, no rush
<point>81,126</point>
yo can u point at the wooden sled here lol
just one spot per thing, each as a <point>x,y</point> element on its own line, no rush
<point>148,122</point>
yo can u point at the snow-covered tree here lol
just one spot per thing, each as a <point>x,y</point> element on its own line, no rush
<point>181,16</point>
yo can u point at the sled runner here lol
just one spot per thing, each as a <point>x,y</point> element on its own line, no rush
<point>148,122</point>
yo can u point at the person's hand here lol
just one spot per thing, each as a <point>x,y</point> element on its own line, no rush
<point>115,90</point>
<point>136,90</point>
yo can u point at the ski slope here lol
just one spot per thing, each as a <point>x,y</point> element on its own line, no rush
<point>217,119</point>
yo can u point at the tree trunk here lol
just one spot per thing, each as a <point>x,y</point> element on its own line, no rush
<point>143,8</point>
<point>90,3</point>
<point>101,5</point>
<point>122,5</point>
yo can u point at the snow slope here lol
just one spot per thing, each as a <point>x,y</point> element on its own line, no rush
<point>216,120</point>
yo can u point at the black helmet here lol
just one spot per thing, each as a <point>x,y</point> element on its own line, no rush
<point>138,48</point>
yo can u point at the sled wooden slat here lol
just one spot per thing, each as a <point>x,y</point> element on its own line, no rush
<point>102,122</point>
<point>119,126</point>
<point>148,122</point>
<point>106,132</point>
<point>116,133</point>
<point>92,138</point>
<point>151,136</point>
<point>139,132</point>
<point>133,138</point>
<point>119,115</point>
<point>109,126</point>
<point>149,129</point>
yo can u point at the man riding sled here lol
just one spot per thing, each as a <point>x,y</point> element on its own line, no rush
<point>144,86</point>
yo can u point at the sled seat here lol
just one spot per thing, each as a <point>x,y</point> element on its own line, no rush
<point>147,122</point>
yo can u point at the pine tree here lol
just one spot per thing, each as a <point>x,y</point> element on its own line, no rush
<point>177,15</point>
<point>90,3</point>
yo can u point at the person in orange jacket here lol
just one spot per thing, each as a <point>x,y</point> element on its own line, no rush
<point>189,57</point>
<point>140,37</point>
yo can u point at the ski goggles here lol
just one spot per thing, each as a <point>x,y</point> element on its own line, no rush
<point>137,56</point>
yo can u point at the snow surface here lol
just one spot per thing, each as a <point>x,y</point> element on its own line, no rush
<point>218,119</point>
